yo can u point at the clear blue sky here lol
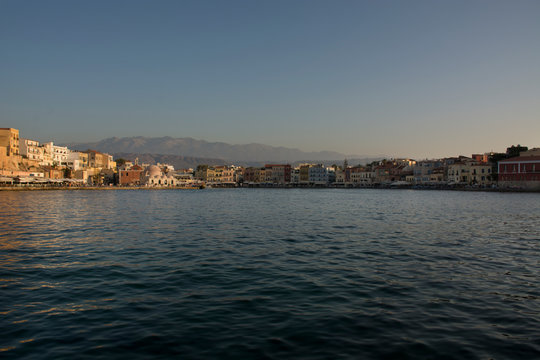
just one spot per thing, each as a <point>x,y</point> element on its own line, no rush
<point>401,78</point>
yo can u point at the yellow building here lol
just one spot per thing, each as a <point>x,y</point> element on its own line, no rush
<point>9,138</point>
<point>10,158</point>
<point>208,173</point>
<point>304,173</point>
<point>458,172</point>
<point>471,173</point>
<point>100,160</point>
<point>220,174</point>
<point>480,174</point>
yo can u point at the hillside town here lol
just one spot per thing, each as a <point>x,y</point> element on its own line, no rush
<point>29,163</point>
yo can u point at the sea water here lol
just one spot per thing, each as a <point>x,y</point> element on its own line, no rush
<point>269,274</point>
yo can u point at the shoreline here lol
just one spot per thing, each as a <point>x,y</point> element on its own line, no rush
<point>144,188</point>
<point>90,188</point>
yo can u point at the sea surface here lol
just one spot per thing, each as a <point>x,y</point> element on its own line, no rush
<point>269,274</point>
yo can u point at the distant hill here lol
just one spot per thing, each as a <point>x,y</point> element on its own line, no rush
<point>179,162</point>
<point>192,148</point>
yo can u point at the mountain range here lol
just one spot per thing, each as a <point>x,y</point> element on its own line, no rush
<point>192,150</point>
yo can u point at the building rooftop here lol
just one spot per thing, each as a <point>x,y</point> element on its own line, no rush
<point>521,158</point>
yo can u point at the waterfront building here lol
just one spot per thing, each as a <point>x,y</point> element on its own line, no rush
<point>202,171</point>
<point>226,174</point>
<point>470,172</point>
<point>99,160</point>
<point>423,169</point>
<point>9,139</point>
<point>126,165</point>
<point>331,175</point>
<point>77,160</point>
<point>31,149</point>
<point>153,176</point>
<point>304,174</point>
<point>521,172</point>
<point>481,174</point>
<point>260,175</point>
<point>388,172</point>
<point>80,175</point>
<point>254,175</point>
<point>278,173</point>
<point>360,176</point>
<point>354,175</point>
<point>481,158</point>
<point>51,172</point>
<point>348,170</point>
<point>130,176</point>
<point>216,174</point>
<point>458,172</point>
<point>365,177</point>
<point>10,158</point>
<point>340,177</point>
<point>295,175</point>
<point>184,177</point>
<point>165,167</point>
<point>55,155</point>
<point>438,176</point>
<point>238,174</point>
<point>249,175</point>
<point>318,175</point>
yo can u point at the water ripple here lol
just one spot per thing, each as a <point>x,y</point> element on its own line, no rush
<point>269,274</point>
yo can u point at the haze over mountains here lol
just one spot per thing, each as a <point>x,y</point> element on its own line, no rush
<point>198,150</point>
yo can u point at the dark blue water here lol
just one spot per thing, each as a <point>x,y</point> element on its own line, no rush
<point>269,274</point>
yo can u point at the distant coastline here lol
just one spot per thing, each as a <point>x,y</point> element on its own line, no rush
<point>29,163</point>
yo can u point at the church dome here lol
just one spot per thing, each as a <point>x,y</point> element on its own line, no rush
<point>153,170</point>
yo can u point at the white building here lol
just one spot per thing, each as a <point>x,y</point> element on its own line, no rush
<point>340,176</point>
<point>166,167</point>
<point>362,177</point>
<point>295,175</point>
<point>55,154</point>
<point>153,176</point>
<point>77,160</point>
<point>31,149</point>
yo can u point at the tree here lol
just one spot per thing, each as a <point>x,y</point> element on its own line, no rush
<point>514,151</point>
<point>496,157</point>
<point>120,162</point>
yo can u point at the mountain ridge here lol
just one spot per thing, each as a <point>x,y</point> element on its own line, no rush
<point>193,148</point>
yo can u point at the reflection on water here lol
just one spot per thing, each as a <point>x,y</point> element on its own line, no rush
<point>269,274</point>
